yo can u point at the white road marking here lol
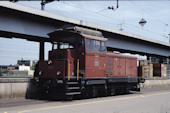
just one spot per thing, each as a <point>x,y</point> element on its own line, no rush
<point>142,96</point>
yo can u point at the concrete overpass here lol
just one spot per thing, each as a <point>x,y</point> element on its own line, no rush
<point>32,24</point>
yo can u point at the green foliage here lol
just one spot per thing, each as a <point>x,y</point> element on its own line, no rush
<point>5,72</point>
<point>8,72</point>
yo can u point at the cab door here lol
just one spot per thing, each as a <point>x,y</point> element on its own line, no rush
<point>80,56</point>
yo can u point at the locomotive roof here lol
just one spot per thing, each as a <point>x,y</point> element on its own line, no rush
<point>87,33</point>
<point>83,30</point>
<point>94,37</point>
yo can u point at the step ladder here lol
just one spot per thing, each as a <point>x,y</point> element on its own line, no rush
<point>73,87</point>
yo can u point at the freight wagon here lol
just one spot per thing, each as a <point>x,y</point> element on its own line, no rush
<point>79,64</point>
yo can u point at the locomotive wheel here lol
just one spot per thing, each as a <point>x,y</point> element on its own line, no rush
<point>127,90</point>
<point>112,91</point>
<point>101,91</point>
<point>94,91</point>
<point>124,90</point>
<point>86,94</point>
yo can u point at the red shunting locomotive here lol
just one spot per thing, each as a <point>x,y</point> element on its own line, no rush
<point>79,64</point>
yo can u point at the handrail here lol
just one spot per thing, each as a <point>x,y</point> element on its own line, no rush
<point>68,70</point>
<point>77,69</point>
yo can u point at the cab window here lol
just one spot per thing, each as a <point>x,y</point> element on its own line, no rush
<point>98,47</point>
<point>88,45</point>
<point>67,42</point>
<point>80,42</point>
<point>93,45</point>
<point>55,46</point>
<point>103,47</point>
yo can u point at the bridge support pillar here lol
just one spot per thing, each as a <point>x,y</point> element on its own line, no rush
<point>41,50</point>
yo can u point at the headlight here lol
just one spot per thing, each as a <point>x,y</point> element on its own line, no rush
<point>49,62</point>
<point>40,72</point>
<point>58,73</point>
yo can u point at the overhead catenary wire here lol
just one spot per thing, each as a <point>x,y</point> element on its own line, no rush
<point>110,7</point>
<point>149,14</point>
<point>91,11</point>
<point>132,28</point>
<point>164,24</point>
<point>102,10</point>
<point>111,18</point>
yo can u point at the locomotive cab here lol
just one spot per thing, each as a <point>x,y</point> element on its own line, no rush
<point>75,53</point>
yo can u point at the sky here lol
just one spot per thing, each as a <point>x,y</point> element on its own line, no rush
<point>126,17</point>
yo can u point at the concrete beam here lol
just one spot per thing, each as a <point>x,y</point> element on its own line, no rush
<point>137,46</point>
